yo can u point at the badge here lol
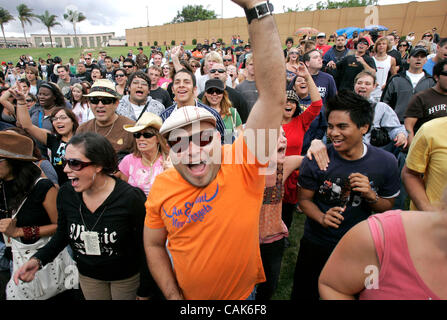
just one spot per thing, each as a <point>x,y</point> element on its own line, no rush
<point>91,242</point>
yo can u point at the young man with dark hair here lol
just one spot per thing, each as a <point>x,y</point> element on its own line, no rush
<point>129,66</point>
<point>359,180</point>
<point>185,90</point>
<point>81,73</point>
<point>441,54</point>
<point>156,92</point>
<point>65,81</point>
<point>138,101</point>
<point>289,44</point>
<point>109,68</point>
<point>429,104</point>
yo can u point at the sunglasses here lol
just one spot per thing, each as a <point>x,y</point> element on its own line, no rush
<point>120,75</point>
<point>29,100</point>
<point>403,45</point>
<point>217,70</point>
<point>76,165</point>
<point>195,66</point>
<point>213,91</point>
<point>146,135</point>
<point>127,66</point>
<point>103,100</point>
<point>227,60</point>
<point>200,139</point>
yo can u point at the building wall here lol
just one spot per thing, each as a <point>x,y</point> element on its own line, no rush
<point>68,40</point>
<point>413,16</point>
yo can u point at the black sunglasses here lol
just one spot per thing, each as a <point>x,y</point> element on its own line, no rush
<point>227,60</point>
<point>127,66</point>
<point>217,70</point>
<point>146,135</point>
<point>200,139</point>
<point>76,165</point>
<point>119,75</point>
<point>104,100</point>
<point>213,91</point>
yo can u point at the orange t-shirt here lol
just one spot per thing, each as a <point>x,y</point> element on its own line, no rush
<point>213,232</point>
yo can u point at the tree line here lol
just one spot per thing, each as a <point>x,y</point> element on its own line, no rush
<point>26,16</point>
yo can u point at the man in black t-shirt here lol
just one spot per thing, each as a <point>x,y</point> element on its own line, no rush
<point>81,72</point>
<point>156,92</point>
<point>352,64</point>
<point>360,179</point>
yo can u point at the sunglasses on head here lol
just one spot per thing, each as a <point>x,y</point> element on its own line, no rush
<point>217,70</point>
<point>74,164</point>
<point>200,139</point>
<point>146,135</point>
<point>213,91</point>
<point>103,100</point>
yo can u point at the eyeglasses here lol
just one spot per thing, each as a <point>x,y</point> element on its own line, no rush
<point>217,70</point>
<point>74,164</point>
<point>146,135</point>
<point>58,118</point>
<point>127,66</point>
<point>119,75</point>
<point>213,91</point>
<point>200,139</point>
<point>103,100</point>
<point>139,83</point>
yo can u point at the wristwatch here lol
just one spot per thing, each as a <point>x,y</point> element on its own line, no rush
<point>259,11</point>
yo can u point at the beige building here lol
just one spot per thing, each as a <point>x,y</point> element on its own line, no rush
<point>70,41</point>
<point>413,16</point>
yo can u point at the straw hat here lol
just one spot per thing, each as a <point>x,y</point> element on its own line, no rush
<point>103,88</point>
<point>15,146</point>
<point>148,119</point>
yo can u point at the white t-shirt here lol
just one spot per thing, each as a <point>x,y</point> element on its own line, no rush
<point>415,77</point>
<point>137,109</point>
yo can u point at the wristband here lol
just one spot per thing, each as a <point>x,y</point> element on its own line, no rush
<point>373,201</point>
<point>259,11</point>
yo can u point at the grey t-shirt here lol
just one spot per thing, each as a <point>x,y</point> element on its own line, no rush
<point>248,90</point>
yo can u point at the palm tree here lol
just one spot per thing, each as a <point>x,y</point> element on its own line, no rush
<point>74,17</point>
<point>5,17</point>
<point>49,21</point>
<point>25,16</point>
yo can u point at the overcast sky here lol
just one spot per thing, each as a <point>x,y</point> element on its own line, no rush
<point>116,16</point>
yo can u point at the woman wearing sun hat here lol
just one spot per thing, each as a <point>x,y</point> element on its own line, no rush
<point>23,192</point>
<point>150,153</point>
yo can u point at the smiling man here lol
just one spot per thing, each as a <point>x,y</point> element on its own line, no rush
<point>213,235</point>
<point>104,100</point>
<point>138,101</point>
<point>359,180</point>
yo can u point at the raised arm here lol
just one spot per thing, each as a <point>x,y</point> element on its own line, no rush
<point>24,118</point>
<point>270,77</point>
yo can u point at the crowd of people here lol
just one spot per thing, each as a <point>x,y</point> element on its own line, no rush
<point>177,175</point>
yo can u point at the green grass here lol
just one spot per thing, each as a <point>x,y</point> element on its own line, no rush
<point>289,259</point>
<point>13,54</point>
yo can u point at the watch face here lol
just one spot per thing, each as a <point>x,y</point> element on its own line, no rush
<point>262,9</point>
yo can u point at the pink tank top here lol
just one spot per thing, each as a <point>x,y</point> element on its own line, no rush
<point>398,278</point>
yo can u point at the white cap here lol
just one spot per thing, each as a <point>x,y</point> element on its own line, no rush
<point>184,116</point>
<point>321,34</point>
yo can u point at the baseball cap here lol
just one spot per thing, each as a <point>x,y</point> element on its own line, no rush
<point>140,48</point>
<point>364,40</point>
<point>148,119</point>
<point>129,54</point>
<point>214,83</point>
<point>10,62</point>
<point>321,35</point>
<point>185,116</point>
<point>418,49</point>
<point>103,88</point>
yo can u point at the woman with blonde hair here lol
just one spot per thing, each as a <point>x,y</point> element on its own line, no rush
<point>384,64</point>
<point>150,153</point>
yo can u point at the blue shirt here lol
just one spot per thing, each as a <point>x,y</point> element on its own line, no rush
<point>332,189</point>
<point>428,66</point>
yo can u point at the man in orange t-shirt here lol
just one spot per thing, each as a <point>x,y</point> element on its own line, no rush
<point>208,205</point>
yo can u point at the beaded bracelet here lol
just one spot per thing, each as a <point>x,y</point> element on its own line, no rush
<point>31,233</point>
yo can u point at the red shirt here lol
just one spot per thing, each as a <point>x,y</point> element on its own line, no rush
<point>298,126</point>
<point>323,49</point>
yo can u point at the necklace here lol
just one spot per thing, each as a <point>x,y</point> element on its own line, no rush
<point>151,167</point>
<point>110,130</point>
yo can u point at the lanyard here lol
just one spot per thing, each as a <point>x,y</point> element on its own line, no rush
<point>82,217</point>
<point>40,119</point>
